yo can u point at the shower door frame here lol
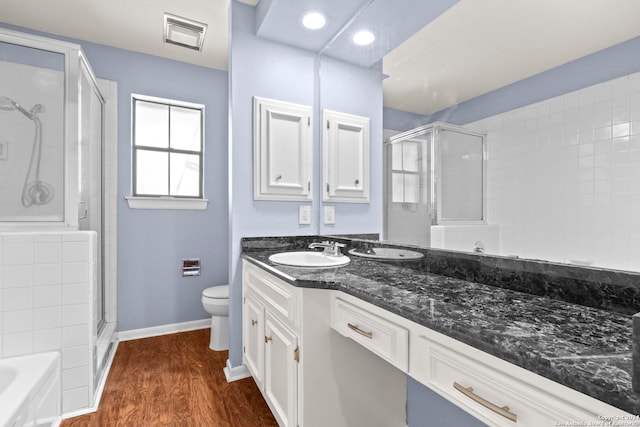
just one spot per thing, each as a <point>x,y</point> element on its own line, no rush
<point>72,57</point>
<point>433,205</point>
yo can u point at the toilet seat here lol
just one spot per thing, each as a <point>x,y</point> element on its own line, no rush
<point>217,292</point>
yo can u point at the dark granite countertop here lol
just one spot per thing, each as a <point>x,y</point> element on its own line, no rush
<point>586,349</point>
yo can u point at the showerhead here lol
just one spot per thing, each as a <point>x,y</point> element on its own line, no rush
<point>8,104</point>
<point>37,109</point>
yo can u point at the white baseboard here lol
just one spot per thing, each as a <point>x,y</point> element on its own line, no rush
<point>155,331</point>
<point>234,374</point>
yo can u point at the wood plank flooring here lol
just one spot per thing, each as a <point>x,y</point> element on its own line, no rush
<point>175,380</point>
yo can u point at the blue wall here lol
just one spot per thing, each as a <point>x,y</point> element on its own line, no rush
<point>268,69</point>
<point>615,61</point>
<point>259,68</point>
<point>352,89</point>
<point>426,408</point>
<point>151,243</point>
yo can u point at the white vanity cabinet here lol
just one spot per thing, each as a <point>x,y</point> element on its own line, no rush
<point>345,157</point>
<point>308,374</point>
<point>282,150</point>
<point>493,390</point>
<point>270,343</point>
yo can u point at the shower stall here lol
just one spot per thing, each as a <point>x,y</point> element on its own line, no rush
<point>435,182</point>
<point>54,237</point>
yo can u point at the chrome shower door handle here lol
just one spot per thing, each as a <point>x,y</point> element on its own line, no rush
<point>83,211</point>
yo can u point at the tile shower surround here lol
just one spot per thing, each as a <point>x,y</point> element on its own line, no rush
<point>45,293</point>
<point>534,314</point>
<point>563,176</point>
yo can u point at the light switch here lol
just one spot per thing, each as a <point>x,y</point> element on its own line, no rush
<point>329,214</point>
<point>304,214</point>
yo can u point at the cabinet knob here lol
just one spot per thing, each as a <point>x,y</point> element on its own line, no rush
<point>357,181</point>
<point>254,322</point>
<point>279,177</point>
<point>267,339</point>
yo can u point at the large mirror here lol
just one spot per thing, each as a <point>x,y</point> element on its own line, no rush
<point>555,86</point>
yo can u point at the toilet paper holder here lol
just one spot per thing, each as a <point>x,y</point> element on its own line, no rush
<point>190,267</point>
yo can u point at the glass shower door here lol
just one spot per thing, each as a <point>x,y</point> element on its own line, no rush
<point>91,149</point>
<point>408,213</point>
<point>435,175</point>
<point>32,143</point>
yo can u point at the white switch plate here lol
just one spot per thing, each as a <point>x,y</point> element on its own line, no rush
<point>304,214</point>
<point>329,214</point>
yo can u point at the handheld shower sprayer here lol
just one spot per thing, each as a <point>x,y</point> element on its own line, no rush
<point>34,192</point>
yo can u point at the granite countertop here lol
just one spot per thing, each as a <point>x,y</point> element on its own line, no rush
<point>584,348</point>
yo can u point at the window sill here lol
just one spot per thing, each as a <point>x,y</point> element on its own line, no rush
<point>167,203</point>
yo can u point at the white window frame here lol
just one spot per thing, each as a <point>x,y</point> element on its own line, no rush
<point>166,201</point>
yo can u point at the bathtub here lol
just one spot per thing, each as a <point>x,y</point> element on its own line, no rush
<point>30,390</point>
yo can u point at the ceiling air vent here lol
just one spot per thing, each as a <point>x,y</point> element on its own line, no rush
<point>184,32</point>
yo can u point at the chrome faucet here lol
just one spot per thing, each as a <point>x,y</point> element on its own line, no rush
<point>330,248</point>
<point>478,247</point>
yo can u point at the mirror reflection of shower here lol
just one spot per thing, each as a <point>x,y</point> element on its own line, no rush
<point>34,191</point>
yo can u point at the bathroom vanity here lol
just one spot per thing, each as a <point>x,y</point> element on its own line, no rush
<point>504,356</point>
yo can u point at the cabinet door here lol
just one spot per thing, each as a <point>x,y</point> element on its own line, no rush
<point>283,151</point>
<point>281,371</point>
<point>253,338</point>
<point>346,157</point>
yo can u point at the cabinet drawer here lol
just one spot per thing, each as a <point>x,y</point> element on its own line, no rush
<point>487,393</point>
<point>383,337</point>
<point>277,296</point>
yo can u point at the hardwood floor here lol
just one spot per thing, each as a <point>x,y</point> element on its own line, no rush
<point>175,380</point>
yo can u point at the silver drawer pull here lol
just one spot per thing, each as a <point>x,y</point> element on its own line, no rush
<point>360,331</point>
<point>504,411</point>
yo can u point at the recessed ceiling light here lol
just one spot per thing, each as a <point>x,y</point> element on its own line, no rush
<point>314,20</point>
<point>363,37</point>
<point>184,32</point>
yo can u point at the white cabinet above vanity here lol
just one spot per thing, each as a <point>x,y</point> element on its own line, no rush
<point>346,160</point>
<point>282,150</point>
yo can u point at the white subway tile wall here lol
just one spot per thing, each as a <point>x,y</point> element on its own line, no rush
<point>47,303</point>
<point>563,176</point>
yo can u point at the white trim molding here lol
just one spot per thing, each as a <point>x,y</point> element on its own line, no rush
<point>235,373</point>
<point>175,203</point>
<point>155,331</point>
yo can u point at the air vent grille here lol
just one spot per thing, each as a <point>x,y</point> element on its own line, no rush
<point>184,32</point>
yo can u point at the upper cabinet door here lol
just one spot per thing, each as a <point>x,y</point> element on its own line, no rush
<point>282,150</point>
<point>346,157</point>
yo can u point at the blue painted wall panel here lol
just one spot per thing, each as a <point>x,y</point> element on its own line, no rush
<point>151,243</point>
<point>425,408</point>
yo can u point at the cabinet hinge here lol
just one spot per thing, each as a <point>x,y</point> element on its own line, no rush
<point>244,300</point>
<point>327,187</point>
<point>308,121</point>
<point>244,349</point>
<point>296,354</point>
<point>309,186</point>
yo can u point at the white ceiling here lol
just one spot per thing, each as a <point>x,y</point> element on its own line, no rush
<point>128,24</point>
<point>478,46</point>
<point>473,48</point>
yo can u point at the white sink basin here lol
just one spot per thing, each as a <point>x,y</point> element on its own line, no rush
<point>309,259</point>
<point>389,253</point>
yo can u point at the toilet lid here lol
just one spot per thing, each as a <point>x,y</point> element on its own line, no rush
<point>217,292</point>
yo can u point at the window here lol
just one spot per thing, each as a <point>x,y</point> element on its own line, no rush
<point>405,172</point>
<point>167,149</point>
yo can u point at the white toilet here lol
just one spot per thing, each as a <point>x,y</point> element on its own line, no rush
<point>216,302</point>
